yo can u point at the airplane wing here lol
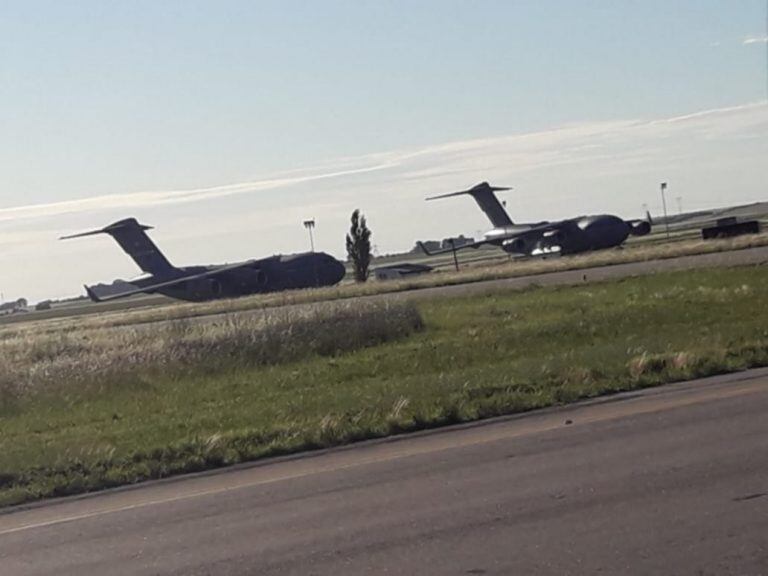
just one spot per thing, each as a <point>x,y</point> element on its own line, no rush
<point>155,287</point>
<point>537,231</point>
<point>449,250</point>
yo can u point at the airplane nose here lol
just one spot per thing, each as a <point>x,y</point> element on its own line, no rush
<point>336,271</point>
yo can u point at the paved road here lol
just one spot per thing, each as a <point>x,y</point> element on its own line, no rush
<point>750,256</point>
<point>747,257</point>
<point>669,481</point>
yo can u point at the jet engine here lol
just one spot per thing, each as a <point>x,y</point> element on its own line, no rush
<point>553,238</point>
<point>204,288</point>
<point>639,228</point>
<point>518,246</point>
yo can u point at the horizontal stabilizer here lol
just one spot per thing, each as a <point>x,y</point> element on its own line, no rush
<point>128,223</point>
<point>132,238</point>
<point>81,234</point>
<point>482,187</point>
<point>484,195</point>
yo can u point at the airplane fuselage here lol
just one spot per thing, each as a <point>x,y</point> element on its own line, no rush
<point>198,283</point>
<point>575,235</point>
<point>283,272</point>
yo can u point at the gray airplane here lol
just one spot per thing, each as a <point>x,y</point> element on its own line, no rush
<point>199,283</point>
<point>562,237</point>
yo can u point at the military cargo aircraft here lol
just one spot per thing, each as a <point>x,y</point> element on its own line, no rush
<point>199,283</point>
<point>568,236</point>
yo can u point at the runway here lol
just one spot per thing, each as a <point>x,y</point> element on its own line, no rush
<point>742,257</point>
<point>747,257</point>
<point>672,480</point>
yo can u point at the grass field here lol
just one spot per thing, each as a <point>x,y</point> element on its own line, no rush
<point>443,361</point>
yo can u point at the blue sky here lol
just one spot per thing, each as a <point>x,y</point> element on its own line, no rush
<point>123,103</point>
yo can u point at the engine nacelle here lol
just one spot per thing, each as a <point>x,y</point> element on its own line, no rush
<point>204,288</point>
<point>517,246</point>
<point>553,238</point>
<point>640,228</point>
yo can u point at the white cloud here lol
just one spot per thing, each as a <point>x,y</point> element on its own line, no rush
<point>138,199</point>
<point>755,40</point>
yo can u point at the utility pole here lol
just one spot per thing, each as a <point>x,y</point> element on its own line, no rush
<point>679,205</point>
<point>664,204</point>
<point>455,259</point>
<point>309,225</point>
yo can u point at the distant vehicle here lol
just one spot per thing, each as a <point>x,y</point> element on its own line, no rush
<point>729,227</point>
<point>200,283</point>
<point>569,236</point>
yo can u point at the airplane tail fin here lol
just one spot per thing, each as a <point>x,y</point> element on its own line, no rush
<point>484,195</point>
<point>133,239</point>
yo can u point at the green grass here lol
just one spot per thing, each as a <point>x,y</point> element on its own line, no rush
<point>476,357</point>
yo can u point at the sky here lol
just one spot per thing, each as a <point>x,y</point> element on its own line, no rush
<point>226,124</point>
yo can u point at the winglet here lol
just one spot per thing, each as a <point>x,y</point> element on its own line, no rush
<point>421,245</point>
<point>648,217</point>
<point>91,293</point>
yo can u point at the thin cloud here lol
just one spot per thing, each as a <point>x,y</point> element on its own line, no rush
<point>522,152</point>
<point>712,158</point>
<point>138,199</point>
<point>755,40</point>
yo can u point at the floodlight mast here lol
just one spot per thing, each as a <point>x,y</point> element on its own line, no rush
<point>664,204</point>
<point>309,225</point>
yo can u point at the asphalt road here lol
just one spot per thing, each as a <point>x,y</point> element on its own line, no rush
<point>744,257</point>
<point>672,480</point>
<point>747,257</point>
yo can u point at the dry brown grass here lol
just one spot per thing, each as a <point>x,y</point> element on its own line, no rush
<point>45,358</point>
<point>477,272</point>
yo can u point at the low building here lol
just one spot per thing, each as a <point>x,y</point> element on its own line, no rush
<point>456,242</point>
<point>430,245</point>
<point>14,307</point>
<point>729,227</point>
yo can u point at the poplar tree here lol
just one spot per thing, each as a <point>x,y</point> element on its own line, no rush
<point>359,246</point>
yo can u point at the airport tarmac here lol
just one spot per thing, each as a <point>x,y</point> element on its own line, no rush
<point>747,257</point>
<point>743,257</point>
<point>670,480</point>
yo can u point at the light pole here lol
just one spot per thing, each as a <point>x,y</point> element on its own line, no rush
<point>679,205</point>
<point>309,225</point>
<point>455,259</point>
<point>664,204</point>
